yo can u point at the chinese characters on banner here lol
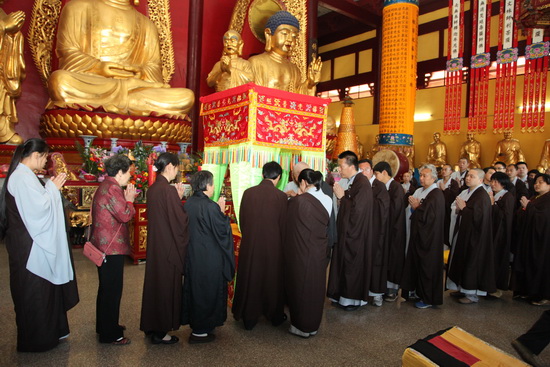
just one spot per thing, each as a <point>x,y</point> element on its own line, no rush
<point>398,75</point>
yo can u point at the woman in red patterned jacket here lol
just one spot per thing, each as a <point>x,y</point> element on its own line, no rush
<point>112,209</point>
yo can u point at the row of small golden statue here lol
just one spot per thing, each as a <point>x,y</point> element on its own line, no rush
<point>508,150</point>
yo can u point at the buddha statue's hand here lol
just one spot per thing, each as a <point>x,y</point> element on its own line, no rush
<point>225,63</point>
<point>14,21</point>
<point>113,70</point>
<point>314,72</point>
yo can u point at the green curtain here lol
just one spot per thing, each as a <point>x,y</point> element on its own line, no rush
<point>245,162</point>
<point>218,171</point>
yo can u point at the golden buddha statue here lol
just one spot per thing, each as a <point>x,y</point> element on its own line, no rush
<point>273,68</point>
<point>471,149</point>
<point>544,163</point>
<point>508,150</point>
<point>359,147</point>
<point>408,150</point>
<point>232,70</point>
<point>109,58</point>
<point>12,72</point>
<point>437,152</point>
<point>375,147</point>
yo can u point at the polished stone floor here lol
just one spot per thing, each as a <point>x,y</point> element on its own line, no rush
<point>370,336</point>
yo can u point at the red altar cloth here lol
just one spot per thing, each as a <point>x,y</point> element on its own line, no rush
<point>264,116</point>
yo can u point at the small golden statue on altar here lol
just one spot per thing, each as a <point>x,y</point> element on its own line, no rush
<point>12,73</point>
<point>544,163</point>
<point>375,147</point>
<point>508,150</point>
<point>437,152</point>
<point>109,58</point>
<point>408,150</point>
<point>471,149</point>
<point>59,166</point>
<point>273,69</point>
<point>360,149</point>
<point>232,70</point>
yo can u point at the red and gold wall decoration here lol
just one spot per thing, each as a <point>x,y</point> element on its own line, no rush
<point>507,57</point>
<point>479,66</point>
<point>534,88</point>
<point>453,72</point>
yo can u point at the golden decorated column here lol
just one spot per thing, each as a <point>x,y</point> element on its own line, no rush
<point>347,138</point>
<point>398,73</point>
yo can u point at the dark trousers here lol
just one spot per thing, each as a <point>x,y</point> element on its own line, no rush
<point>538,337</point>
<point>111,275</point>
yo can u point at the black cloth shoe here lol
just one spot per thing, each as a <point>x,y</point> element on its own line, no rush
<point>348,308</point>
<point>526,354</point>
<point>249,324</point>
<point>156,340</point>
<point>193,339</point>
<point>276,321</point>
<point>456,294</point>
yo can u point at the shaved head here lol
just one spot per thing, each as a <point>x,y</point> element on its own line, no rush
<point>299,167</point>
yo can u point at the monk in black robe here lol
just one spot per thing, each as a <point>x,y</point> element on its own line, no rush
<point>351,266</point>
<point>167,239</point>
<point>397,232</point>
<point>259,286</point>
<point>520,189</point>
<point>532,261</point>
<point>472,265</point>
<point>502,217</point>
<point>423,270</point>
<point>305,248</point>
<point>379,246</point>
<point>451,189</point>
<point>210,262</point>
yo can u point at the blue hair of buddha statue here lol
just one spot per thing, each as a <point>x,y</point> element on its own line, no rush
<point>279,18</point>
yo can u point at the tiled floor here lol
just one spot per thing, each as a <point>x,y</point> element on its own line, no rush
<point>370,336</point>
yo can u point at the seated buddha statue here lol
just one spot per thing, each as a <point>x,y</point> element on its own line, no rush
<point>544,163</point>
<point>273,68</point>
<point>437,152</point>
<point>508,150</point>
<point>109,58</point>
<point>471,149</point>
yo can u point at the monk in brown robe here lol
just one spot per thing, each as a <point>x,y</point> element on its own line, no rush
<point>380,211</point>
<point>423,270</point>
<point>305,249</point>
<point>350,269</point>
<point>259,286</point>
<point>167,239</point>
<point>471,266</point>
<point>396,235</point>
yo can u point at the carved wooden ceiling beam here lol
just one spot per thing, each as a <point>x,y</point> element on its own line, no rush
<point>353,11</point>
